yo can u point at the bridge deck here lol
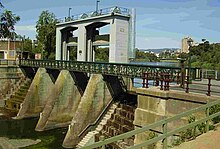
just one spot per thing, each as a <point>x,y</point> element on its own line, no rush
<point>116,69</point>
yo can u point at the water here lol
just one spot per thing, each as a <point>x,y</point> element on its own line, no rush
<point>138,81</point>
<point>171,64</point>
<point>24,129</point>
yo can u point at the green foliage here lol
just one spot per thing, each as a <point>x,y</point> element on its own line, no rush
<point>183,55</point>
<point>102,55</point>
<point>7,23</point>
<point>206,55</point>
<point>167,55</point>
<point>199,129</point>
<point>46,33</point>
<point>145,57</point>
<point>215,109</point>
<point>151,135</point>
<point>73,53</point>
<point>28,45</point>
<point>44,144</point>
<point>1,6</point>
<point>196,64</point>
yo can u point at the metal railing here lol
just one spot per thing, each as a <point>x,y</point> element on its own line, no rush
<point>116,69</point>
<point>164,124</point>
<point>90,126</point>
<point>105,11</point>
<point>203,87</point>
<point>214,74</point>
<point>8,62</point>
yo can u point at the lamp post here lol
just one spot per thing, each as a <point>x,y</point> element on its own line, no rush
<point>97,5</point>
<point>189,41</point>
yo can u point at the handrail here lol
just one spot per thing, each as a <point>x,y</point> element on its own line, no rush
<point>162,123</point>
<point>25,61</point>
<point>100,12</point>
<point>97,120</point>
<point>117,69</point>
<point>7,62</point>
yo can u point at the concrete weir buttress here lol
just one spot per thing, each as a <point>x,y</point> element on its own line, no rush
<point>62,102</point>
<point>35,99</point>
<point>93,101</point>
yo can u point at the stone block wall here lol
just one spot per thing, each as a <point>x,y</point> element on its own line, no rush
<point>9,76</point>
<point>155,105</point>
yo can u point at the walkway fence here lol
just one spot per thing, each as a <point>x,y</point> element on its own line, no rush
<point>214,74</point>
<point>164,125</point>
<point>7,62</point>
<point>170,81</point>
<point>116,69</point>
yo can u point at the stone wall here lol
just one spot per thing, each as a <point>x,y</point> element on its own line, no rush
<point>154,105</point>
<point>8,78</point>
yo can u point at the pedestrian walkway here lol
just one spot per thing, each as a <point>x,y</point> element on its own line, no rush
<point>208,140</point>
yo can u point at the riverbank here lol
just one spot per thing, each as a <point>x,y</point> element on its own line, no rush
<point>7,143</point>
<point>21,133</point>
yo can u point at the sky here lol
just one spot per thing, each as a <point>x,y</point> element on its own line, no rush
<point>159,23</point>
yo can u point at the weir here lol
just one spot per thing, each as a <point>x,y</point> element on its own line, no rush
<point>97,100</point>
<point>97,103</point>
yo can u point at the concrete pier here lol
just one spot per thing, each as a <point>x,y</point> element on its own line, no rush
<point>93,101</point>
<point>35,99</point>
<point>62,102</point>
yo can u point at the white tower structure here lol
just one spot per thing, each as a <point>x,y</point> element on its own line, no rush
<point>121,37</point>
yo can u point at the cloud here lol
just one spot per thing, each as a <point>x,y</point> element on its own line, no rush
<point>25,28</point>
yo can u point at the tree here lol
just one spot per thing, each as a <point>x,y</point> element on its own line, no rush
<point>46,33</point>
<point>1,6</point>
<point>7,22</point>
<point>102,55</point>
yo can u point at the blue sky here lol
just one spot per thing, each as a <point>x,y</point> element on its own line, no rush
<point>160,23</point>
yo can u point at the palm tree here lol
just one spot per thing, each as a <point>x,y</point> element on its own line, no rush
<point>7,22</point>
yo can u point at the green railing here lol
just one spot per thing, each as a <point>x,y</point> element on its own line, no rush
<point>164,124</point>
<point>117,69</point>
<point>8,62</point>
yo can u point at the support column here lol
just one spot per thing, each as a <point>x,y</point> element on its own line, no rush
<point>68,53</point>
<point>118,50</point>
<point>64,51</point>
<point>89,54</point>
<point>58,44</point>
<point>81,47</point>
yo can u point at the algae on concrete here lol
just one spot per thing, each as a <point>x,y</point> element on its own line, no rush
<point>62,102</point>
<point>35,99</point>
<point>93,101</point>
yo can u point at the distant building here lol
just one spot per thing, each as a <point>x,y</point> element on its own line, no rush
<point>9,49</point>
<point>185,44</point>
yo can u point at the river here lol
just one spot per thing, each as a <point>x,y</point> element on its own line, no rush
<point>24,129</point>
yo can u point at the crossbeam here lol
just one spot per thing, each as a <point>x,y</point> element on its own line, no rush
<point>115,69</point>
